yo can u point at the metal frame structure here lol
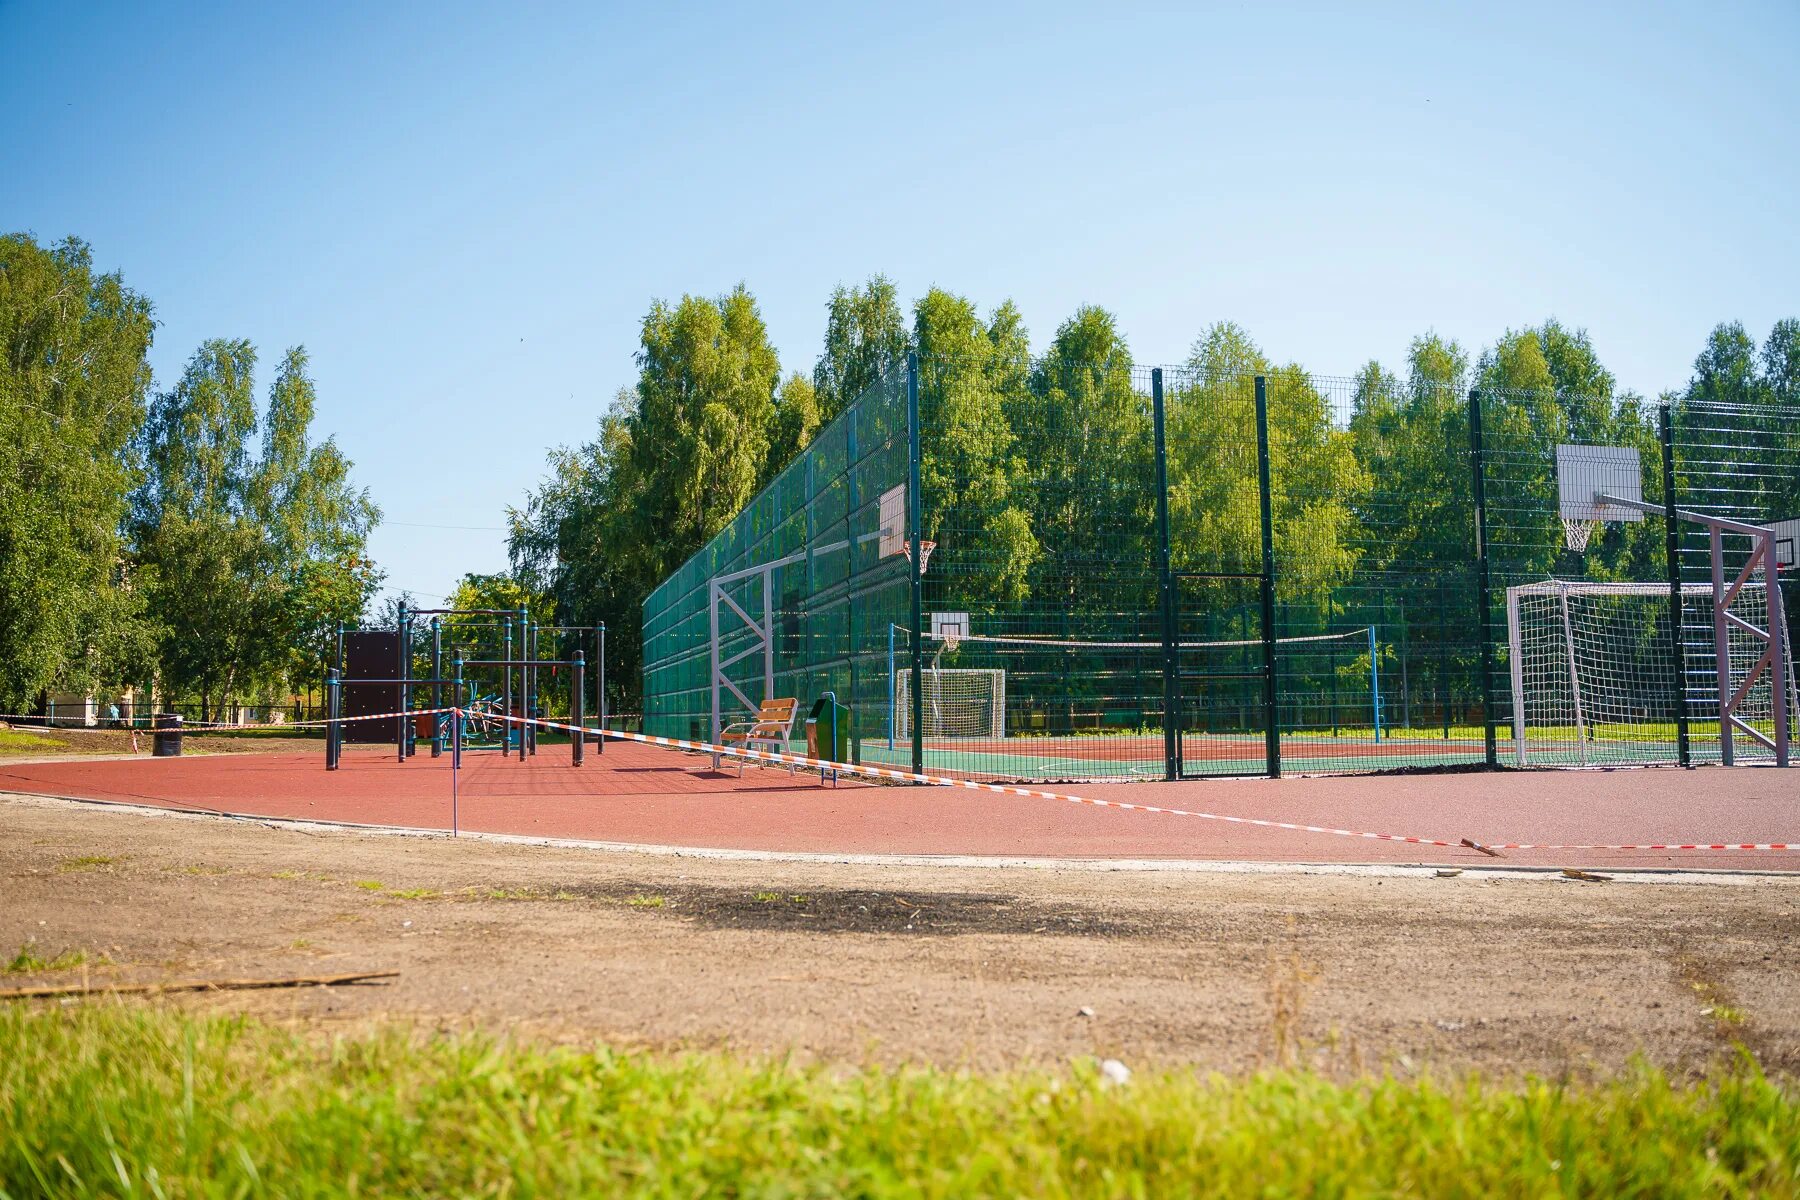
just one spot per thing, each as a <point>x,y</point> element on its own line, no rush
<point>1774,662</point>
<point>762,630</point>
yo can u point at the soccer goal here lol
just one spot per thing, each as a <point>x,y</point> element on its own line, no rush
<point>1595,679</point>
<point>957,702</point>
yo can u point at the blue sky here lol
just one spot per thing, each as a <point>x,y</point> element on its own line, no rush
<point>463,211</point>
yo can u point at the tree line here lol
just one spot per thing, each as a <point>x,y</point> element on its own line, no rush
<point>1023,451</point>
<point>187,540</point>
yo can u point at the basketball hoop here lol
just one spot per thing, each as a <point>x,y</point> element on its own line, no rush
<point>1577,531</point>
<point>1585,474</point>
<point>925,549</point>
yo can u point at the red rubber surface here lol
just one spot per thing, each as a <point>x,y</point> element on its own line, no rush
<point>650,795</point>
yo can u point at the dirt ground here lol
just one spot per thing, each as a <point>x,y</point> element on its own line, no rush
<point>1399,970</point>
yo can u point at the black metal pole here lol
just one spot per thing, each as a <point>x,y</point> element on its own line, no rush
<point>600,690</point>
<point>1271,693</point>
<point>400,673</point>
<point>333,687</point>
<point>1672,562</point>
<point>531,685</point>
<point>437,689</point>
<point>1171,658</point>
<point>913,528</point>
<point>506,693</point>
<point>577,685</point>
<point>1483,609</point>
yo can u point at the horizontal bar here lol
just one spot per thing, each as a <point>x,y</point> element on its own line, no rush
<point>462,612</point>
<point>414,679</point>
<point>1216,574</point>
<point>518,662</point>
<point>1724,523</point>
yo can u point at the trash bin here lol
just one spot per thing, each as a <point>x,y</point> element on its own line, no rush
<point>828,730</point>
<point>168,736</point>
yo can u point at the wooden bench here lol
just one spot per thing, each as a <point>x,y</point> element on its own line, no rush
<point>771,729</point>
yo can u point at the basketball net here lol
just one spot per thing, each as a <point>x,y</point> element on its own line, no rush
<point>925,549</point>
<point>1577,531</point>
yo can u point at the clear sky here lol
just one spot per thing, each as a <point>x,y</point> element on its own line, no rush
<point>463,211</point>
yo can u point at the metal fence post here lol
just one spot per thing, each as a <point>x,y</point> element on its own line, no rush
<point>1483,615</point>
<point>1271,692</point>
<point>1672,560</point>
<point>577,735</point>
<point>506,692</point>
<point>1166,584</point>
<point>437,686</point>
<point>600,690</point>
<point>333,689</point>
<point>402,653</point>
<point>914,536</point>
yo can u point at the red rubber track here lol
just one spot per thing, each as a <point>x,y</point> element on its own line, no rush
<point>650,795</point>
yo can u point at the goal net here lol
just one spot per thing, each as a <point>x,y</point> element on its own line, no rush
<point>1594,675</point>
<point>957,702</point>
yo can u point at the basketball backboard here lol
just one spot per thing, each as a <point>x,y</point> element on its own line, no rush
<point>1585,472</point>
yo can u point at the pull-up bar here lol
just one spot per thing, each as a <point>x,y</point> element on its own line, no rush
<point>577,665</point>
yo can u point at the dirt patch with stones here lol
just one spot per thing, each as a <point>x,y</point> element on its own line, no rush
<point>958,966</point>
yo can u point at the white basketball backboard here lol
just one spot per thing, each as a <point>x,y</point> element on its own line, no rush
<point>950,625</point>
<point>893,520</point>
<point>1585,472</point>
<point>1787,541</point>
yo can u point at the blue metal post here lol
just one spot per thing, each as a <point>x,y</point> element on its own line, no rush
<point>1375,681</point>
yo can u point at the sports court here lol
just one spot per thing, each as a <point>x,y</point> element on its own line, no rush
<point>640,794</point>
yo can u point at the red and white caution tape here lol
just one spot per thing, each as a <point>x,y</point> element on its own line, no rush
<point>797,760</point>
<point>44,722</point>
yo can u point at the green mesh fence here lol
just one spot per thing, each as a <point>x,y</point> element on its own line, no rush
<point>794,598</point>
<point>1110,589</point>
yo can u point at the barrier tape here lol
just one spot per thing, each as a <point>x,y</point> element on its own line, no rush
<point>187,726</point>
<point>1002,789</point>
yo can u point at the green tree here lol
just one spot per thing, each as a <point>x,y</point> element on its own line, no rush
<point>1215,501</point>
<point>1725,371</point>
<point>1781,364</point>
<point>698,421</point>
<point>252,557</point>
<point>73,386</point>
<point>796,421</point>
<point>1541,388</point>
<point>865,335</point>
<point>969,462</point>
<point>1739,409</point>
<point>1412,439</point>
<point>1085,445</point>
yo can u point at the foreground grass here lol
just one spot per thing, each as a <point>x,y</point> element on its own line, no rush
<point>108,1100</point>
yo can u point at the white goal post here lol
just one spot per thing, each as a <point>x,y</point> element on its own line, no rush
<point>958,702</point>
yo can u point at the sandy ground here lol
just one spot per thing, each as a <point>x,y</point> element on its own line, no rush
<point>958,966</point>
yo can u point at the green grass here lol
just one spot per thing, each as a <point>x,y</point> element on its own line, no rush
<point>105,1100</point>
<point>29,961</point>
<point>87,862</point>
<point>18,740</point>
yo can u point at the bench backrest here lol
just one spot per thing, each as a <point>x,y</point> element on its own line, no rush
<point>777,712</point>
